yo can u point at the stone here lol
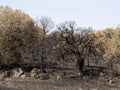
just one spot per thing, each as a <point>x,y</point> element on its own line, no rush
<point>23,76</point>
<point>33,73</point>
<point>27,74</point>
<point>80,89</point>
<point>94,89</point>
<point>17,72</point>
<point>111,82</point>
<point>2,76</point>
<point>44,76</point>
<point>58,77</point>
<point>101,74</point>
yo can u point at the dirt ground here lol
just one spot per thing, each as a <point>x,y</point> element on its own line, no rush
<point>73,82</point>
<point>68,84</point>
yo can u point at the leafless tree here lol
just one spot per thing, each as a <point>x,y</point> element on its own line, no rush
<point>75,41</point>
<point>45,24</point>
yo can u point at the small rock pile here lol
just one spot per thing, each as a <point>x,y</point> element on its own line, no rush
<point>20,73</point>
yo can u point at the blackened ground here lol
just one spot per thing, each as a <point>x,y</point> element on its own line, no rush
<point>73,83</point>
<point>69,80</point>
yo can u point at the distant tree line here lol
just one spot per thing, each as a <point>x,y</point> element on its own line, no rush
<point>24,41</point>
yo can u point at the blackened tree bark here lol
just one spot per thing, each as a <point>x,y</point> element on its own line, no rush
<point>76,43</point>
<point>45,25</point>
<point>80,63</point>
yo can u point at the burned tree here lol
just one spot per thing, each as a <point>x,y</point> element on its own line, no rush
<point>75,40</point>
<point>45,24</point>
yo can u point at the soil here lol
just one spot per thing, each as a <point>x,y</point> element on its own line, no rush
<point>87,83</point>
<point>69,80</point>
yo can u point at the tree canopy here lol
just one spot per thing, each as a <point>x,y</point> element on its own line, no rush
<point>23,40</point>
<point>18,36</point>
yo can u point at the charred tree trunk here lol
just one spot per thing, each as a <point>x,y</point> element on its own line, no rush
<point>88,60</point>
<point>42,52</point>
<point>80,63</point>
<point>42,60</point>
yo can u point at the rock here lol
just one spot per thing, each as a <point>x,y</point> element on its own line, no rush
<point>17,72</point>
<point>44,76</point>
<point>27,74</point>
<point>33,73</point>
<point>111,82</point>
<point>94,89</point>
<point>101,74</point>
<point>2,76</point>
<point>34,70</point>
<point>79,74</point>
<point>23,76</point>
<point>60,77</point>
